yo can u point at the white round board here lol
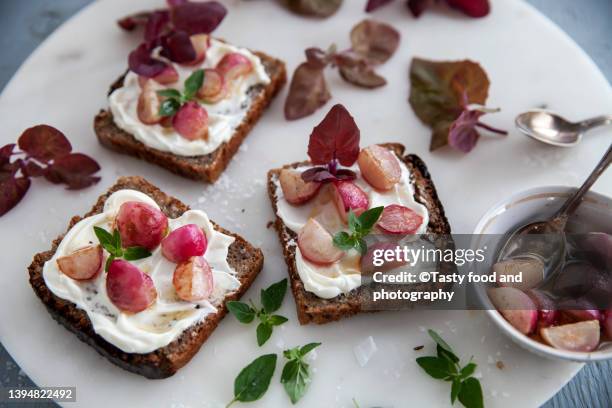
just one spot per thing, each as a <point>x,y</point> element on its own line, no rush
<point>530,63</point>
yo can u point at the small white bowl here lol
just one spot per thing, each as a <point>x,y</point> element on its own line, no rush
<point>531,205</point>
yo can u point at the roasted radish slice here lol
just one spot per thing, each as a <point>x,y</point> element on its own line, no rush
<point>168,76</point>
<point>607,324</point>
<point>578,310</point>
<point>582,336</point>
<point>191,121</point>
<point>200,43</point>
<point>213,88</point>
<point>397,219</point>
<point>316,244</point>
<point>233,65</point>
<point>296,190</point>
<point>547,311</point>
<point>148,104</point>
<point>347,196</point>
<point>516,307</point>
<point>82,264</point>
<point>193,279</point>
<point>141,224</point>
<point>130,289</point>
<point>520,273</point>
<point>379,167</point>
<point>183,243</point>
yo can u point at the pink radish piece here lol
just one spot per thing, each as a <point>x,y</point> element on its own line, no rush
<point>379,167</point>
<point>141,224</point>
<point>397,219</point>
<point>582,336</point>
<point>200,43</point>
<point>82,264</point>
<point>516,307</point>
<point>234,65</point>
<point>168,76</point>
<point>193,279</point>
<point>191,121</point>
<point>296,190</point>
<point>148,104</point>
<point>213,89</point>
<point>547,313</point>
<point>530,271</point>
<point>348,196</point>
<point>130,289</point>
<point>183,243</point>
<point>316,244</point>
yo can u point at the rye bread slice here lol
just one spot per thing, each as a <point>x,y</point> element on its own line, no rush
<point>207,167</point>
<point>165,361</point>
<point>313,309</point>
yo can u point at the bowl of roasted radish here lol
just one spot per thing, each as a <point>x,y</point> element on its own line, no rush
<point>560,309</point>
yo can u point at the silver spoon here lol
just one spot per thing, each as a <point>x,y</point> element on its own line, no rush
<point>546,239</point>
<point>550,128</point>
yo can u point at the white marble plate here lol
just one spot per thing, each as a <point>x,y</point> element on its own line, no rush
<point>530,63</point>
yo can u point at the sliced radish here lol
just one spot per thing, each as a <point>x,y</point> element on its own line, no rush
<point>296,190</point>
<point>82,264</point>
<point>183,243</point>
<point>234,65</point>
<point>148,104</point>
<point>348,196</point>
<point>379,167</point>
<point>193,279</point>
<point>582,336</point>
<point>531,271</point>
<point>130,289</point>
<point>213,89</point>
<point>548,314</point>
<point>141,224</point>
<point>607,324</point>
<point>168,76</point>
<point>579,310</point>
<point>516,307</point>
<point>376,252</point>
<point>191,121</point>
<point>200,43</point>
<point>397,219</point>
<point>316,244</point>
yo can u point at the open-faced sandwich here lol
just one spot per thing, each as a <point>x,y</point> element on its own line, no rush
<point>317,201</point>
<point>188,100</point>
<point>142,278</point>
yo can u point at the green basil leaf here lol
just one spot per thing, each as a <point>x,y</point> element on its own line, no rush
<point>117,242</point>
<point>135,253</point>
<point>264,331</point>
<point>468,370</point>
<point>193,84</point>
<point>343,241</point>
<point>272,297</point>
<point>470,394</point>
<point>295,379</point>
<point>436,337</point>
<point>443,353</point>
<point>254,379</point>
<point>368,218</point>
<point>105,237</point>
<point>308,348</point>
<point>241,311</point>
<point>354,223</point>
<point>361,246</point>
<point>436,367</point>
<point>276,320</point>
<point>170,93</point>
<point>169,107</point>
<point>455,389</point>
<point>109,260</point>
<point>292,354</point>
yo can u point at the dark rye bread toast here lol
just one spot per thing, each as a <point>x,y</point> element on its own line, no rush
<point>207,167</point>
<point>165,361</point>
<point>313,309</point>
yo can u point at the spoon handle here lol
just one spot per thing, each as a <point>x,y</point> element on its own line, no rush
<point>596,122</point>
<point>572,203</point>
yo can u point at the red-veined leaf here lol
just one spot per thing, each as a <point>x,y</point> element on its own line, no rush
<point>141,62</point>
<point>198,18</point>
<point>307,92</point>
<point>44,143</point>
<point>336,137</point>
<point>374,41</point>
<point>372,5</point>
<point>75,170</point>
<point>12,190</point>
<point>132,21</point>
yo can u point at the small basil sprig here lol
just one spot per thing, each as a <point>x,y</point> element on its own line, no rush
<point>271,299</point>
<point>175,99</point>
<point>359,228</point>
<point>296,373</point>
<point>112,243</point>
<point>253,381</point>
<point>445,366</point>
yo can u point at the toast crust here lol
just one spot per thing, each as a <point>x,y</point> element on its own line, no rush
<point>313,309</point>
<point>165,361</point>
<point>207,168</point>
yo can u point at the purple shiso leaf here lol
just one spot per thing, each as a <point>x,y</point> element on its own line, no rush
<point>141,62</point>
<point>198,18</point>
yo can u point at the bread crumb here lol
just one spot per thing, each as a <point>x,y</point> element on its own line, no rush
<point>417,348</point>
<point>500,365</point>
<point>269,224</point>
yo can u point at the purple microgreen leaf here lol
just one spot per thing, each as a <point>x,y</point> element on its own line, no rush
<point>311,173</point>
<point>75,170</point>
<point>316,57</point>
<point>374,4</point>
<point>307,92</point>
<point>462,134</point>
<point>417,7</point>
<point>129,23</point>
<point>335,138</point>
<point>345,174</point>
<point>157,25</point>
<point>197,18</point>
<point>141,62</point>
<point>374,41</point>
<point>44,143</point>
<point>316,8</point>
<point>6,152</point>
<point>31,169</point>
<point>472,8</point>
<point>174,3</point>
<point>361,75</point>
<point>177,47</point>
<point>12,190</point>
